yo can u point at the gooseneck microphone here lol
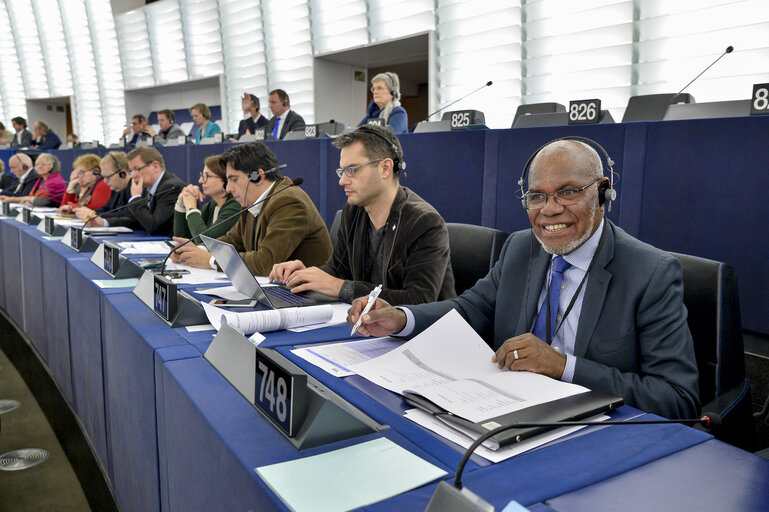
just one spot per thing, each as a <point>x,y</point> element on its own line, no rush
<point>487,84</point>
<point>295,183</point>
<point>173,188</point>
<point>710,421</point>
<point>729,49</point>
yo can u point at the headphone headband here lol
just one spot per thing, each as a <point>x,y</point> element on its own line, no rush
<point>399,165</point>
<point>605,194</point>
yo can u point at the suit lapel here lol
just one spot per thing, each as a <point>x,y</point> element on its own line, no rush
<point>595,294</point>
<point>284,129</point>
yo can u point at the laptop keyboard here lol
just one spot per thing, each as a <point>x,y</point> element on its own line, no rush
<point>284,295</point>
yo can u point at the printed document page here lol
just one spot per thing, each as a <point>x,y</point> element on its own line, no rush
<point>450,365</point>
<point>267,320</point>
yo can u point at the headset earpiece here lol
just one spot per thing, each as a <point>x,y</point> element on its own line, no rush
<point>602,188</point>
<point>285,103</point>
<point>96,171</point>
<point>122,174</point>
<point>254,177</point>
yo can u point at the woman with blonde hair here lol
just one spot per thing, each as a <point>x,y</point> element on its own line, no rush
<point>86,186</point>
<point>201,114</point>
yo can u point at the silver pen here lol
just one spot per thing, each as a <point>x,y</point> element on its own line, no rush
<point>372,297</point>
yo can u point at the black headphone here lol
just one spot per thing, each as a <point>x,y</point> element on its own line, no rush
<point>606,193</point>
<point>121,172</point>
<point>392,92</point>
<point>96,171</point>
<point>398,164</point>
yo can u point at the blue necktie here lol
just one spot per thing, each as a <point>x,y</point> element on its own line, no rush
<point>275,130</point>
<point>556,278</point>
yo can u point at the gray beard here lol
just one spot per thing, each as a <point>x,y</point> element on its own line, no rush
<point>574,244</point>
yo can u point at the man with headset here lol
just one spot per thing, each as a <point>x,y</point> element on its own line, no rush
<point>286,225</point>
<point>616,321</point>
<point>388,235</point>
<point>284,119</point>
<point>169,130</point>
<point>117,175</point>
<point>21,167</point>
<point>253,120</point>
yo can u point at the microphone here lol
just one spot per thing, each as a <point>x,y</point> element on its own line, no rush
<point>487,84</point>
<point>173,188</point>
<point>729,49</point>
<point>295,183</point>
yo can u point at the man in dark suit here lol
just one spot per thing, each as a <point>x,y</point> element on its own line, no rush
<point>21,167</point>
<point>23,137</point>
<point>284,119</point>
<point>250,104</point>
<point>45,138</point>
<point>616,321</point>
<point>153,194</point>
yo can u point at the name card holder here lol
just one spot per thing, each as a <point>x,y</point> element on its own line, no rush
<point>78,241</point>
<point>49,227</point>
<point>28,217</point>
<point>107,257</point>
<point>5,209</point>
<point>175,307</point>
<point>303,410</point>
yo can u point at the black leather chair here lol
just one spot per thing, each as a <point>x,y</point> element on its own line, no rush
<point>334,231</point>
<point>711,298</point>
<point>474,250</point>
<point>652,107</point>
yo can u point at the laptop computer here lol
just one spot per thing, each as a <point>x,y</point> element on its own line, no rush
<point>274,297</point>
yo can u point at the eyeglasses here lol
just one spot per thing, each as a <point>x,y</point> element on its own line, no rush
<point>378,88</point>
<point>139,169</point>
<point>350,171</point>
<point>538,200</point>
<point>204,177</point>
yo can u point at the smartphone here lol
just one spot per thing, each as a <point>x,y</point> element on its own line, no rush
<point>246,303</point>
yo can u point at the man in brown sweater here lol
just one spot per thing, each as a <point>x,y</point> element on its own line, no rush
<point>284,227</point>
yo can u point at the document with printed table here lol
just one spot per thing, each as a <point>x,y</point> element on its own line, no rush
<point>447,371</point>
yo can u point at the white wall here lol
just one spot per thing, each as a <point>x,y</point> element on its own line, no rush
<point>37,110</point>
<point>338,95</point>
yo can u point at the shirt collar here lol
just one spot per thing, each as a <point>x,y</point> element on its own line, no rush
<point>24,176</point>
<point>583,255</point>
<point>154,187</point>
<point>257,207</point>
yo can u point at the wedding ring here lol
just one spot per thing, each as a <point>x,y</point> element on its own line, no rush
<point>515,354</point>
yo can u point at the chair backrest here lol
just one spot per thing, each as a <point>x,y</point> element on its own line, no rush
<point>334,231</point>
<point>652,107</point>
<point>474,250</point>
<point>713,304</point>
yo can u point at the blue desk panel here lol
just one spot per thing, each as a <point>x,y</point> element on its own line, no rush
<point>32,284</point>
<point>9,241</point>
<point>708,476</point>
<point>131,335</point>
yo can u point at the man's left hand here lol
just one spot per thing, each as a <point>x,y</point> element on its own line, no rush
<point>534,355</point>
<point>314,279</point>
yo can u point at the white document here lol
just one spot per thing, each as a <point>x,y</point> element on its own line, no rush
<point>250,322</point>
<point>139,247</point>
<point>450,365</point>
<point>96,230</point>
<point>338,317</point>
<point>44,209</point>
<point>431,423</point>
<point>335,358</point>
<point>70,223</point>
<point>196,275</point>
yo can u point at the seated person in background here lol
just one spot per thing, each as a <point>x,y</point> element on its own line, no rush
<point>6,137</point>
<point>6,179</point>
<point>114,170</point>
<point>23,137</point>
<point>617,321</point>
<point>285,226</point>
<point>201,114</point>
<point>73,138</point>
<point>387,235</point>
<point>253,120</point>
<point>284,119</point>
<point>153,194</point>
<point>48,188</point>
<point>45,138</point>
<point>168,127</point>
<point>86,187</point>
<point>189,221</point>
<point>141,131</point>
<point>20,165</point>
<point>386,104</point>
